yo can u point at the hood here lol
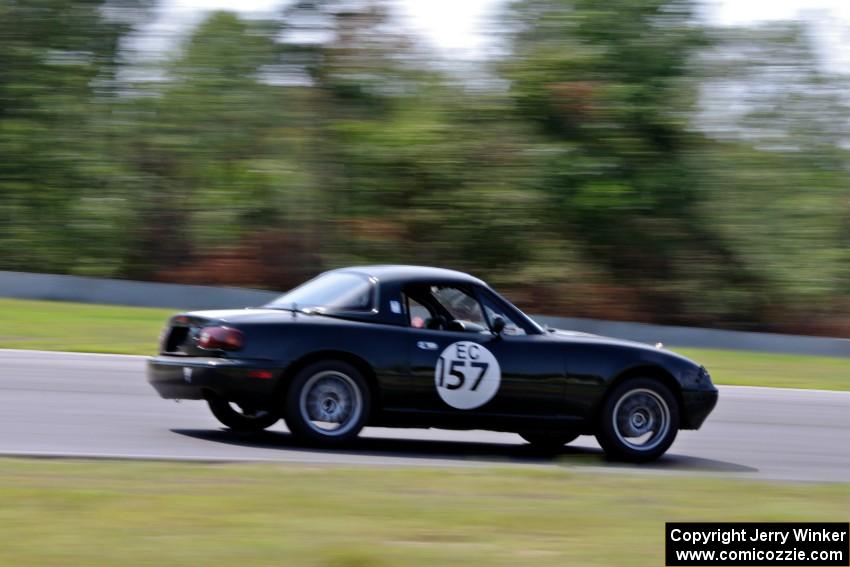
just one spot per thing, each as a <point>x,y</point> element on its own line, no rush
<point>589,338</point>
<point>564,333</point>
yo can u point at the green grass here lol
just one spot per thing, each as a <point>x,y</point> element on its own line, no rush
<point>778,370</point>
<point>48,325</point>
<point>80,327</point>
<point>108,513</point>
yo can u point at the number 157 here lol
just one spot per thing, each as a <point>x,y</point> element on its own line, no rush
<point>453,369</point>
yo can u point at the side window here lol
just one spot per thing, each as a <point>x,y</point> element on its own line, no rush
<point>444,308</point>
<point>417,313</point>
<point>511,328</point>
<point>461,306</point>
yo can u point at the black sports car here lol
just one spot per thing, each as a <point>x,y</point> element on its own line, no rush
<point>405,346</point>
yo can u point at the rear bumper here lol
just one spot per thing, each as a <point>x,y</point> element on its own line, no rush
<point>193,378</point>
<point>697,405</point>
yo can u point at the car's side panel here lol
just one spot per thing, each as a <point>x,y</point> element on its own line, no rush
<point>532,378</point>
<point>379,346</point>
<point>591,367</point>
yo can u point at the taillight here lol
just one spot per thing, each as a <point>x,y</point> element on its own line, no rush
<point>221,338</point>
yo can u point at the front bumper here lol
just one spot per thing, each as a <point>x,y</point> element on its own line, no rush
<point>697,404</point>
<point>193,378</point>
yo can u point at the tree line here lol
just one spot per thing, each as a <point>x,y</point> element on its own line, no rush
<point>621,160</point>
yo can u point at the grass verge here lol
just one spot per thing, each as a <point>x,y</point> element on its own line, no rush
<point>108,513</point>
<point>47,325</point>
<point>742,368</point>
<point>80,327</point>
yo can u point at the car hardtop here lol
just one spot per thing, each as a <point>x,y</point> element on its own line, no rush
<point>390,281</point>
<point>402,274</point>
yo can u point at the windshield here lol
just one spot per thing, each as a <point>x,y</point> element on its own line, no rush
<point>521,316</point>
<point>334,291</point>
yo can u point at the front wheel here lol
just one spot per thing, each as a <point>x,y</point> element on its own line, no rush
<point>327,403</point>
<point>238,417</point>
<point>639,421</point>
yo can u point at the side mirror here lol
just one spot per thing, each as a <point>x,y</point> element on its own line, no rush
<point>498,325</point>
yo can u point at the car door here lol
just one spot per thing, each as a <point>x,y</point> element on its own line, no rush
<point>469,369</point>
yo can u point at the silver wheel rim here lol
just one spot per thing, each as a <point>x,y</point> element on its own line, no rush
<point>641,419</point>
<point>330,403</point>
<point>248,413</point>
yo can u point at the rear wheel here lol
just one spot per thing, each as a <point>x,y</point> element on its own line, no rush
<point>548,440</point>
<point>327,403</point>
<point>240,417</point>
<point>639,420</point>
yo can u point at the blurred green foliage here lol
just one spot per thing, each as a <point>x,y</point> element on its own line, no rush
<point>618,160</point>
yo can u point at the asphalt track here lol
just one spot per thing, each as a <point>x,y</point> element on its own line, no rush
<point>100,406</point>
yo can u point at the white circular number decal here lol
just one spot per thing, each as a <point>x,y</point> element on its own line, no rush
<point>467,375</point>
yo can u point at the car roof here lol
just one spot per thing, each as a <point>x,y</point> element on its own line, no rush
<point>412,274</point>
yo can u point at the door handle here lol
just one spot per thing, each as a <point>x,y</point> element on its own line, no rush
<point>427,345</point>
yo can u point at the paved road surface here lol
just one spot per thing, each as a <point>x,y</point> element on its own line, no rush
<point>101,406</point>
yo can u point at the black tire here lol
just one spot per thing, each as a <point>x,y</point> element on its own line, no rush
<point>247,419</point>
<point>328,389</point>
<point>638,405</point>
<point>548,440</point>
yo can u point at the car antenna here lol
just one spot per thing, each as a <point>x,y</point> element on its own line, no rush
<point>294,310</point>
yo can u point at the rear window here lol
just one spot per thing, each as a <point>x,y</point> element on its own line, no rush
<point>334,291</point>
